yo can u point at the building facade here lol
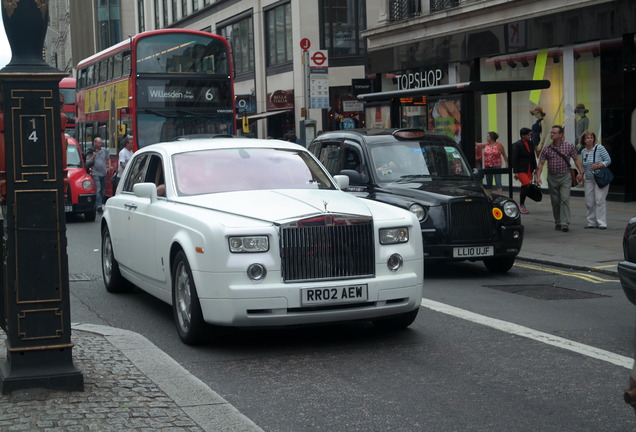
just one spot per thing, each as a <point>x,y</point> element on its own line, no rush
<point>269,40</point>
<point>586,49</point>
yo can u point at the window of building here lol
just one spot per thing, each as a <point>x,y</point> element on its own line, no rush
<point>240,34</point>
<point>157,21</point>
<point>108,23</point>
<point>175,13</point>
<point>184,8</point>
<point>342,22</point>
<point>279,35</point>
<point>165,13</point>
<point>141,16</point>
<point>195,5</point>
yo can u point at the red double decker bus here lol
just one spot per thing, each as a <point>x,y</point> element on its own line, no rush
<point>155,86</point>
<point>67,100</point>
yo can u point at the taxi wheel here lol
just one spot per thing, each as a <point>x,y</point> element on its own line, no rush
<point>499,265</point>
<point>113,280</point>
<point>185,302</point>
<point>396,322</point>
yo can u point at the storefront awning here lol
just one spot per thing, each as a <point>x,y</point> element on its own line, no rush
<point>485,87</point>
<point>262,115</point>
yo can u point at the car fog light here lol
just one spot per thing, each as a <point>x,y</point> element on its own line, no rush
<point>395,262</point>
<point>256,272</point>
<point>516,235</point>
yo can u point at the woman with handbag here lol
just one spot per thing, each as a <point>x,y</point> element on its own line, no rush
<point>523,164</point>
<point>594,157</point>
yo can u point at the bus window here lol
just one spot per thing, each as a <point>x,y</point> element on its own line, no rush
<point>90,76</point>
<point>109,69</point>
<point>102,71</point>
<point>126,64</point>
<point>117,65</point>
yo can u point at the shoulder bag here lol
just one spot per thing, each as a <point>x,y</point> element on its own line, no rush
<point>573,171</point>
<point>602,176</point>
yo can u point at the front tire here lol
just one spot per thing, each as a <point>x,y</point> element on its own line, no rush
<point>90,216</point>
<point>185,302</point>
<point>499,265</point>
<point>113,280</point>
<point>397,322</point>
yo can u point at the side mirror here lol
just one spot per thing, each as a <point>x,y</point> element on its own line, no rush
<point>146,190</point>
<point>342,181</point>
<point>355,177</point>
<point>478,173</point>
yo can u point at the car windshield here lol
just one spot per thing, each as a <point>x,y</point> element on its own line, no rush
<point>407,160</point>
<point>237,169</point>
<point>73,157</point>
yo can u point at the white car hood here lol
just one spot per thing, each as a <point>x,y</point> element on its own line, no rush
<point>281,204</point>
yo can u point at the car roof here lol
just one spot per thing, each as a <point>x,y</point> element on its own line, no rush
<point>198,144</point>
<point>380,134</point>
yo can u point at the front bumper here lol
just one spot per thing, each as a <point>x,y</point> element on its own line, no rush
<point>85,203</point>
<point>627,275</point>
<point>278,304</point>
<point>507,243</point>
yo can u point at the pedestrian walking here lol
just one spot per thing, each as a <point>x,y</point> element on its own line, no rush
<point>524,164</point>
<point>558,155</point>
<point>594,156</point>
<point>492,152</point>
<point>99,171</point>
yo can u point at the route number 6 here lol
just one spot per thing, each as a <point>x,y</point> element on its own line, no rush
<point>209,95</point>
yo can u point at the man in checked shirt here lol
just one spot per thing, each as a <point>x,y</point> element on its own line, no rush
<point>558,155</point>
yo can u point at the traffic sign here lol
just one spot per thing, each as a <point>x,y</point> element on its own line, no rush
<point>318,59</point>
<point>305,44</point>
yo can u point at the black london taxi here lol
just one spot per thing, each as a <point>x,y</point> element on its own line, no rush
<point>428,174</point>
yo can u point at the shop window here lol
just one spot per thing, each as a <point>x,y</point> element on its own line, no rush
<point>342,22</point>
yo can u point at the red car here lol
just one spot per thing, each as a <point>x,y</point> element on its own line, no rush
<point>80,194</point>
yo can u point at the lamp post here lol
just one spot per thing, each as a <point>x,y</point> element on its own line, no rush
<point>35,288</point>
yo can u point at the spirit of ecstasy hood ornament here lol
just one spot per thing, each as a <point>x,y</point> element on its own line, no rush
<point>326,203</point>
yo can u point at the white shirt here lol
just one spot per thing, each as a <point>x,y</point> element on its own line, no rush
<point>124,157</point>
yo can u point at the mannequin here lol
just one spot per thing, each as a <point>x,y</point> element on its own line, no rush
<point>583,123</point>
<point>539,115</point>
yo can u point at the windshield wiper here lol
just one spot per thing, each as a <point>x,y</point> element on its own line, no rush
<point>414,176</point>
<point>160,114</point>
<point>196,114</point>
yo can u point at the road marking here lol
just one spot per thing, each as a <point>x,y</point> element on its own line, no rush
<point>529,333</point>
<point>585,276</point>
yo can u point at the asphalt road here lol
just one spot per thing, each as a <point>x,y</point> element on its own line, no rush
<point>562,370</point>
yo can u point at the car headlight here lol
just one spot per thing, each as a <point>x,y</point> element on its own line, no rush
<point>87,184</point>
<point>394,235</point>
<point>249,244</point>
<point>511,209</point>
<point>419,211</point>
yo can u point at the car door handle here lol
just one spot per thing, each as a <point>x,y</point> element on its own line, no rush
<point>131,206</point>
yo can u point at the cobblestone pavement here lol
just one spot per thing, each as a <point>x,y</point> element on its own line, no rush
<point>127,387</point>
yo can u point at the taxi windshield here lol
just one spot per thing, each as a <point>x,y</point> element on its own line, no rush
<point>407,160</point>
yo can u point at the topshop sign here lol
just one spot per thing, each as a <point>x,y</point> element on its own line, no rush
<point>421,79</point>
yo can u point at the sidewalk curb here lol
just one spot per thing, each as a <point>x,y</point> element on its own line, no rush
<point>203,405</point>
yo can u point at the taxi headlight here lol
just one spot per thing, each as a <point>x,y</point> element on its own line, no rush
<point>249,244</point>
<point>394,235</point>
<point>419,211</point>
<point>511,209</point>
<point>87,184</point>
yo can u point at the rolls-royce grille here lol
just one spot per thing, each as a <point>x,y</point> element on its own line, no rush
<point>327,247</point>
<point>469,221</point>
